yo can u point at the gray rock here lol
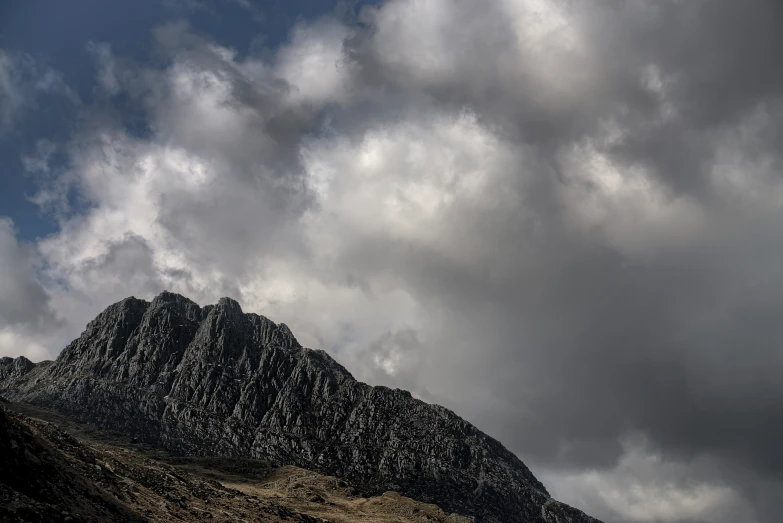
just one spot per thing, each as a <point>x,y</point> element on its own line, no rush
<point>12,369</point>
<point>217,381</point>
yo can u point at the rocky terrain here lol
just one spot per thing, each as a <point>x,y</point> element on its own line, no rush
<point>48,474</point>
<point>214,381</point>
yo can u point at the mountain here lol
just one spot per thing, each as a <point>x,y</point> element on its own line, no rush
<point>214,381</point>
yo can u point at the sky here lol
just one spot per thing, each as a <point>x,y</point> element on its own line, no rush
<point>561,220</point>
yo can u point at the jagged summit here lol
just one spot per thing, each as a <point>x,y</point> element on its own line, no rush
<point>214,380</point>
<point>13,368</point>
<point>229,303</point>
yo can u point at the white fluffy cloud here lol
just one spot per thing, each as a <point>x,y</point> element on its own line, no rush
<point>314,65</point>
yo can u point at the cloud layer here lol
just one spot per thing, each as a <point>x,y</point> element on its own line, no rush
<point>559,219</point>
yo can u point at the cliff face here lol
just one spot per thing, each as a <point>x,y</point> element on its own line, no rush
<point>217,381</point>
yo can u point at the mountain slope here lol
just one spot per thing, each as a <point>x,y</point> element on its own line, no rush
<point>216,381</point>
<point>85,475</point>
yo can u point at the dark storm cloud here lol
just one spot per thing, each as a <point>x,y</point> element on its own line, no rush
<point>684,344</point>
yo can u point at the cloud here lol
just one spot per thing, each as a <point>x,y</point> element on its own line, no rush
<point>314,65</point>
<point>560,220</point>
<point>22,81</point>
<point>107,74</point>
<point>25,308</point>
<point>645,487</point>
<point>22,300</point>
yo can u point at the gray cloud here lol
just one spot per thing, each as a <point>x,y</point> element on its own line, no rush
<point>26,314</point>
<point>22,81</point>
<point>559,219</point>
<point>22,298</point>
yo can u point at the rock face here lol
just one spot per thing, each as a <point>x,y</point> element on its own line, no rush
<point>12,369</point>
<point>216,381</point>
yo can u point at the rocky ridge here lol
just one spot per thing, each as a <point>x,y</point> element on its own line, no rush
<point>215,381</point>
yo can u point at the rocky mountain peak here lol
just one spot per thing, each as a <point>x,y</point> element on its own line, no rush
<point>183,305</point>
<point>14,368</point>
<point>214,380</point>
<point>229,304</point>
